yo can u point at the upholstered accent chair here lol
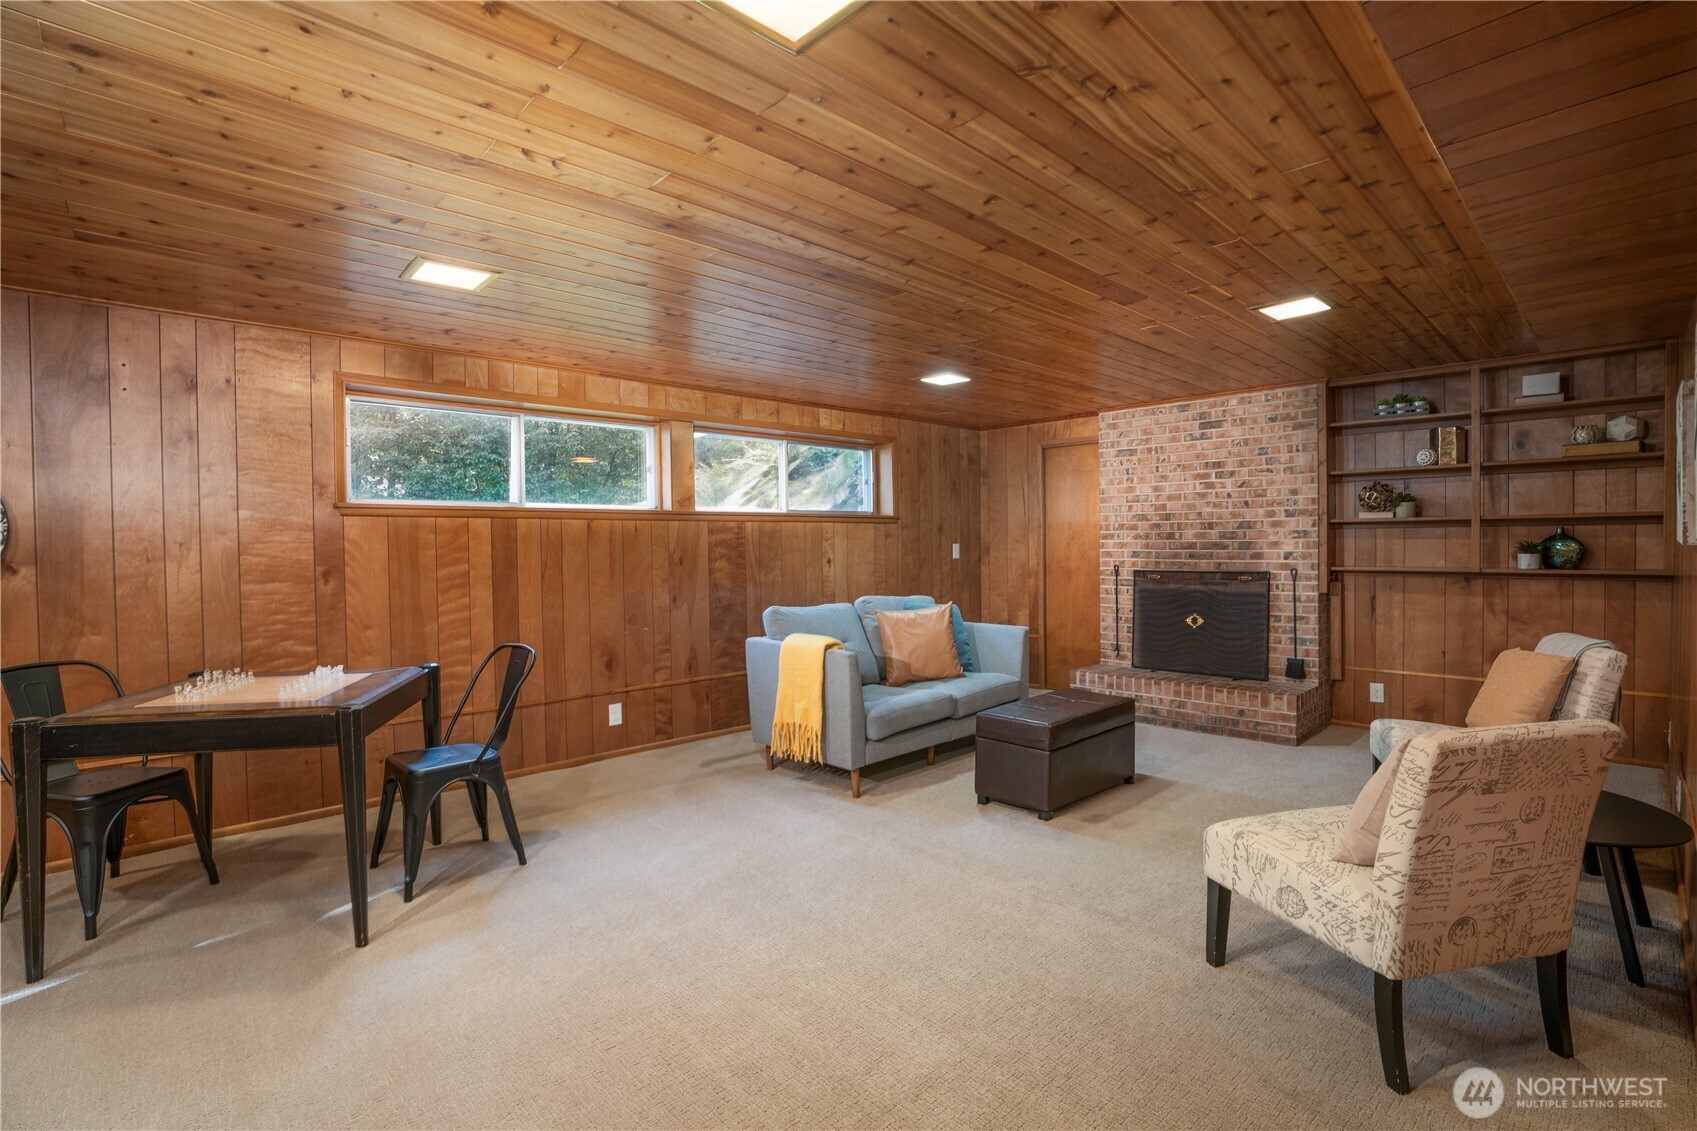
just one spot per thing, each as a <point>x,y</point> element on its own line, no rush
<point>1478,863</point>
<point>1592,692</point>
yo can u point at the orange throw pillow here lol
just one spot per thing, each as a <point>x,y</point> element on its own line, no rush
<point>1522,687</point>
<point>919,644</point>
<point>1358,843</point>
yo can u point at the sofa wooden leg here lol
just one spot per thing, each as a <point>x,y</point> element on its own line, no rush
<point>1552,996</point>
<point>1387,1009</point>
<point>930,755</point>
<point>854,782</point>
<point>1219,918</point>
<point>769,758</point>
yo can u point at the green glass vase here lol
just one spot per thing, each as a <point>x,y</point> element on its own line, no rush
<point>1562,550</point>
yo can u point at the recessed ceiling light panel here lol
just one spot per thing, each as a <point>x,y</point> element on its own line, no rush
<point>422,270</point>
<point>792,20</point>
<point>1295,308</point>
<point>946,379</point>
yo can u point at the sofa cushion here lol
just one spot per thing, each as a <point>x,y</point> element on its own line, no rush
<point>918,644</point>
<point>975,691</point>
<point>1521,687</point>
<point>868,609</point>
<point>892,710</point>
<point>838,621</point>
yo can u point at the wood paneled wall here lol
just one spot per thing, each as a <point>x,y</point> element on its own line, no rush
<point>171,482</point>
<point>1011,503</point>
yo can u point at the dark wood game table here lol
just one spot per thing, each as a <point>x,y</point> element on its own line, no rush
<point>141,724</point>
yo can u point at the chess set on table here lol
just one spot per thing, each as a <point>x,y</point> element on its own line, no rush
<point>245,688</point>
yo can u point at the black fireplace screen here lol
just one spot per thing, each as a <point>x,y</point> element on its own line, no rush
<point>1206,623</point>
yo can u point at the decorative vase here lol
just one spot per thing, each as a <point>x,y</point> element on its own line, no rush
<point>1408,510</point>
<point>1587,433</point>
<point>1563,551</point>
<point>1381,410</point>
<point>1529,561</point>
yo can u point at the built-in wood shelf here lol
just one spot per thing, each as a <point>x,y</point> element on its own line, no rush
<point>1401,472</point>
<point>1571,408</point>
<point>1568,574</point>
<point>1429,520</point>
<point>1571,519</point>
<point>1402,420</point>
<point>1574,463</point>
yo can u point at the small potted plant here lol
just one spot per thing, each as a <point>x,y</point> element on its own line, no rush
<point>1402,402</point>
<point>1383,408</point>
<point>1529,554</point>
<point>1421,402</point>
<point>1405,505</point>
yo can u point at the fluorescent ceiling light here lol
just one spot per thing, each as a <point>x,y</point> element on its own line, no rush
<point>422,270</point>
<point>585,459</point>
<point>1295,308</point>
<point>792,19</point>
<point>945,379</point>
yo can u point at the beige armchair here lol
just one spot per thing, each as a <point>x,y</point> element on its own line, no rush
<point>1592,692</point>
<point>1478,863</point>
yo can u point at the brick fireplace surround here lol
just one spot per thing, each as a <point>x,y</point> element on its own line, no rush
<point>1227,482</point>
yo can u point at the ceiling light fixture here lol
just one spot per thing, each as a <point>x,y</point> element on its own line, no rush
<point>585,459</point>
<point>945,379</point>
<point>793,21</point>
<point>1295,308</point>
<point>422,270</point>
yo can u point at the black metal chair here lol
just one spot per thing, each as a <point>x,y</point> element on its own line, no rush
<point>91,805</point>
<point>424,774</point>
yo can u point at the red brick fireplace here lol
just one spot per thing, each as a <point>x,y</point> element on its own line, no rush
<point>1221,483</point>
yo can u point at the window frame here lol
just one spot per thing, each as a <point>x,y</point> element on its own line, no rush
<point>672,459</point>
<point>515,417</point>
<point>868,451</point>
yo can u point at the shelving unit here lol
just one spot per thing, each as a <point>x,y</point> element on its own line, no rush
<point>1515,483</point>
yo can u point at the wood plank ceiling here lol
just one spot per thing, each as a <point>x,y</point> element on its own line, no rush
<point>1571,131</point>
<point>1077,204</point>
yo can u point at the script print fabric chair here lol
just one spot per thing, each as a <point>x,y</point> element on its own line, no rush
<point>420,776</point>
<point>90,805</point>
<point>1592,692</point>
<point>1478,863</point>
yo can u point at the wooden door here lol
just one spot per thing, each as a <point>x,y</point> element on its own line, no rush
<point>1072,600</point>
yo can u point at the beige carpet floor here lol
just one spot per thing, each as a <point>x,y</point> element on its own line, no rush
<point>698,943</point>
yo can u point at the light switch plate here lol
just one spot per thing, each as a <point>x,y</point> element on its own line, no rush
<point>615,714</point>
<point>957,549</point>
<point>1375,693</point>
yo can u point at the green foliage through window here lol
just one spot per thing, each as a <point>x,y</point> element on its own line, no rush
<point>742,473</point>
<point>410,453</point>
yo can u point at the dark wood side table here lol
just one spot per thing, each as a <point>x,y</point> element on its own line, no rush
<point>1620,826</point>
<point>149,722</point>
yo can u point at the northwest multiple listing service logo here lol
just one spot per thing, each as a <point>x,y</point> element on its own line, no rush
<point>1480,1093</point>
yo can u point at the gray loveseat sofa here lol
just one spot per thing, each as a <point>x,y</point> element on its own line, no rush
<point>867,721</point>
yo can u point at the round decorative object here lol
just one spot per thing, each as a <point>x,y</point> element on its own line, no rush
<point>1563,551</point>
<point>1426,457</point>
<point>1625,428</point>
<point>1376,497</point>
<point>1587,433</point>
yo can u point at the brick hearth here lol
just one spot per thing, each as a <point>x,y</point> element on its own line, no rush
<point>1280,710</point>
<point>1229,482</point>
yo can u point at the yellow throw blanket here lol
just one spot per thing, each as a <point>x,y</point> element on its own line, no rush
<point>798,720</point>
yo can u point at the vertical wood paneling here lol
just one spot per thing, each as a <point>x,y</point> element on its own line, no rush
<point>192,470</point>
<point>71,422</point>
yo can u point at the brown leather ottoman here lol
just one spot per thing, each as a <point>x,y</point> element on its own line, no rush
<point>1053,749</point>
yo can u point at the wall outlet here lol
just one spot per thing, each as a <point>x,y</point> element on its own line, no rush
<point>957,549</point>
<point>1375,693</point>
<point>615,714</point>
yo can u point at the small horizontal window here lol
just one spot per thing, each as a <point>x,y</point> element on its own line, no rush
<point>407,452</point>
<point>760,473</point>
